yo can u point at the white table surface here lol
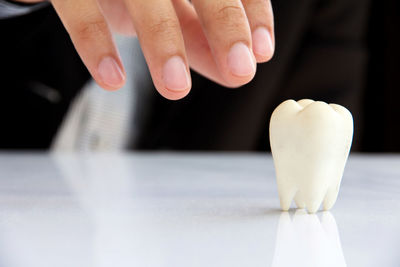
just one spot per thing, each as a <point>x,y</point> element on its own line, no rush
<point>189,210</point>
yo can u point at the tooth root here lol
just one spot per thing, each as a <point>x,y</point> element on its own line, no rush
<point>313,203</point>
<point>312,207</point>
<point>331,197</point>
<point>286,198</point>
<point>299,200</point>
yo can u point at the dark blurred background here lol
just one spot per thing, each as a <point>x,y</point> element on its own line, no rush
<point>341,51</point>
<point>382,88</point>
<point>345,52</point>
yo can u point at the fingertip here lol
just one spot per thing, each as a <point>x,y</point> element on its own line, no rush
<point>263,46</point>
<point>175,75</point>
<point>111,74</point>
<point>173,95</point>
<point>234,82</point>
<point>263,58</point>
<point>240,61</point>
<point>174,81</point>
<point>110,88</point>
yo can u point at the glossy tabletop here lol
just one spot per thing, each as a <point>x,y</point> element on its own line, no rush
<point>177,210</point>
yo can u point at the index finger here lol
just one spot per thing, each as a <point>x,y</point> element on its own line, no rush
<point>160,37</point>
<point>93,41</point>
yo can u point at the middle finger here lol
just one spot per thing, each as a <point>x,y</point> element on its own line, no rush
<point>228,33</point>
<point>160,37</point>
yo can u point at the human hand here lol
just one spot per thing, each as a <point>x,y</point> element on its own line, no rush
<point>220,39</point>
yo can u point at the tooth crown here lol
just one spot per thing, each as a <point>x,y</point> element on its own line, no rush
<point>310,143</point>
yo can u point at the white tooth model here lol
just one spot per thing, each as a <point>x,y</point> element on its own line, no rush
<point>310,142</point>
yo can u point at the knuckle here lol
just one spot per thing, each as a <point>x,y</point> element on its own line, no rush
<point>92,28</point>
<point>229,18</point>
<point>230,12</point>
<point>165,25</point>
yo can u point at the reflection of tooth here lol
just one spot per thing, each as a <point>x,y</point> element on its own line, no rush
<point>310,142</point>
<point>307,241</point>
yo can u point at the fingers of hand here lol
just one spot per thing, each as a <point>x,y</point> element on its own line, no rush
<point>236,35</point>
<point>160,36</point>
<point>93,40</point>
<point>201,57</point>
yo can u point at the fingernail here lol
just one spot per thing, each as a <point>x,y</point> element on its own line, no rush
<point>262,42</point>
<point>240,60</point>
<point>175,74</point>
<point>110,72</point>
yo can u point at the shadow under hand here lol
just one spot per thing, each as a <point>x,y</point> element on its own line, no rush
<point>307,240</point>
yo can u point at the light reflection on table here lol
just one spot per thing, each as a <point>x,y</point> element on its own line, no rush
<point>186,210</point>
<point>307,240</point>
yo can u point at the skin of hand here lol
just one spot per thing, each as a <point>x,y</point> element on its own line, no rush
<point>220,39</point>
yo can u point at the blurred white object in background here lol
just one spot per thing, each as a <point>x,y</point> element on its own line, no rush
<point>100,120</point>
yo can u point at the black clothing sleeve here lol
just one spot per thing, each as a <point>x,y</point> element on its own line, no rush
<point>40,74</point>
<point>9,9</point>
